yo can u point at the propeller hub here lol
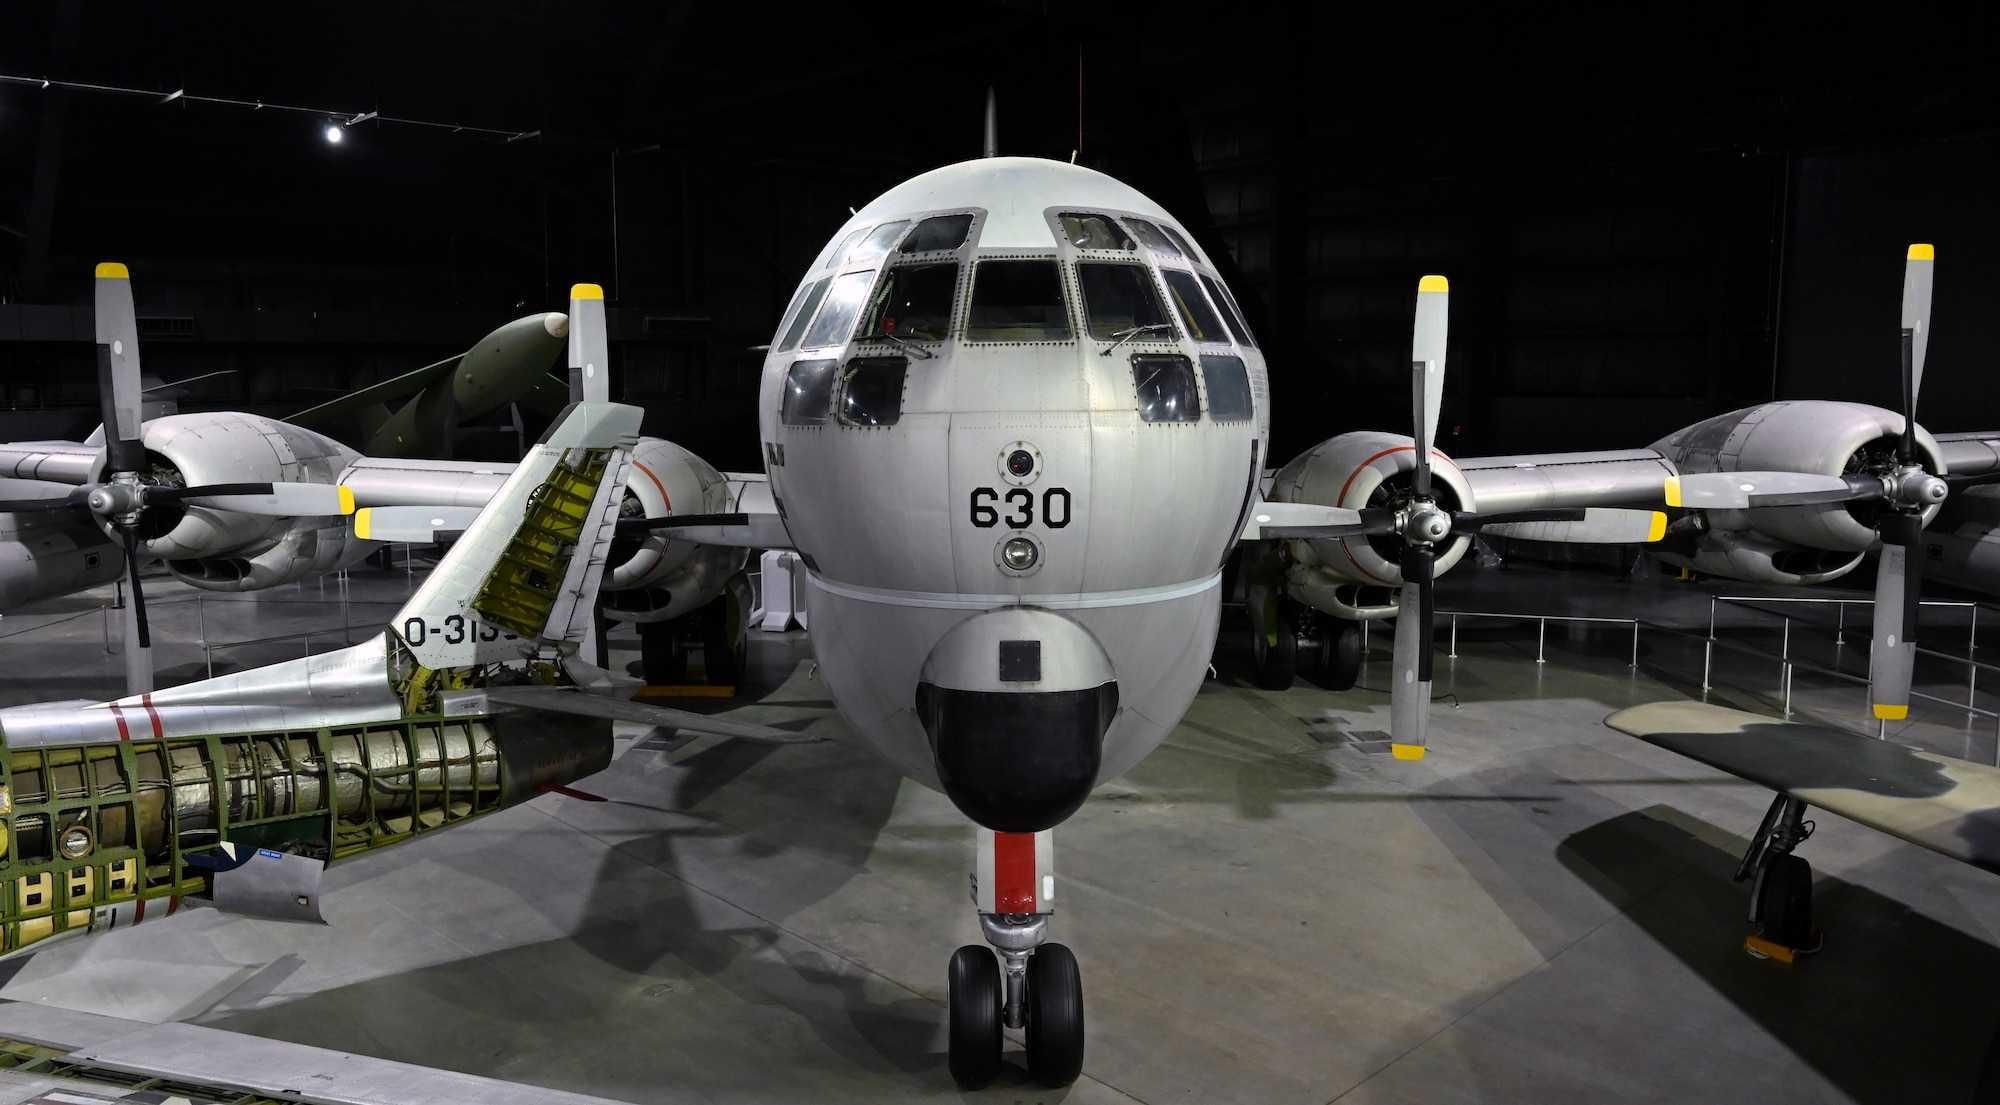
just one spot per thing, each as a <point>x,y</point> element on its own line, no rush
<point>121,502</point>
<point>1919,488</point>
<point>1427,524</point>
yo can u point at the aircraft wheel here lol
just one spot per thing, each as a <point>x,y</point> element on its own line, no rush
<point>722,658</point>
<point>1277,663</point>
<point>661,659</point>
<point>975,1017</point>
<point>1784,902</point>
<point>1055,1016</point>
<point>1343,656</point>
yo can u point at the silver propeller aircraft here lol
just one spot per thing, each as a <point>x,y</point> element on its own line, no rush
<point>239,789</point>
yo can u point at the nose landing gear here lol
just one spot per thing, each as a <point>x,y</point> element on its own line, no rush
<point>1033,986</point>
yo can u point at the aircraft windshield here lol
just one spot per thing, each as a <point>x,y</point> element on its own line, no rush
<point>1093,232</point>
<point>1017,300</point>
<point>913,303</point>
<point>1150,234</point>
<point>834,255</point>
<point>842,304</point>
<point>1227,305</point>
<point>802,313</point>
<point>1179,242</point>
<point>877,244</point>
<point>1228,388</point>
<point>1119,299</point>
<point>938,232</point>
<point>1193,306</point>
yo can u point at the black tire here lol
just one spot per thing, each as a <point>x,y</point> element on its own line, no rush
<point>1055,1016</point>
<point>661,659</point>
<point>1277,662</point>
<point>1343,656</point>
<point>975,1017</point>
<point>1784,902</point>
<point>721,658</point>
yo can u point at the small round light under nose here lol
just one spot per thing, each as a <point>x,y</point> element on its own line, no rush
<point>1019,553</point>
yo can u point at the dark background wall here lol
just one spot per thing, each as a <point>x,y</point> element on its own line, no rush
<point>1646,219</point>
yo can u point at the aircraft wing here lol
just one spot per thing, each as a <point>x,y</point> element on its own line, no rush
<point>1948,805</point>
<point>95,1050</point>
<point>387,481</point>
<point>1970,454</point>
<point>339,412</point>
<point>1540,481</point>
<point>65,462</point>
<point>562,700</point>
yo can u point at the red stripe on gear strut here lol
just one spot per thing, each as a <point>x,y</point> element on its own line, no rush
<point>1014,872</point>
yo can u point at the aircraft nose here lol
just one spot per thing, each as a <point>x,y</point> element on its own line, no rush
<point>1016,704</point>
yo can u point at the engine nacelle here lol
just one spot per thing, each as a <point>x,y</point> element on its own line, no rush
<point>1346,576</point>
<point>657,578</point>
<point>1819,436</point>
<point>306,547</point>
<point>1755,558</point>
<point>189,450</point>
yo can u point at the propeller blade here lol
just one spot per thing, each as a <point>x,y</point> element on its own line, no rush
<point>589,346</point>
<point>1427,348</point>
<point>417,525</point>
<point>1410,695</point>
<point>138,638</point>
<point>1742,490</point>
<point>1916,338</point>
<point>1308,521</point>
<point>1589,526</point>
<point>282,500</point>
<point>1898,584</point>
<point>118,384</point>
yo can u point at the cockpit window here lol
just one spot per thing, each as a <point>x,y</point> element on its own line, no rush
<point>1187,250</point>
<point>913,303</point>
<point>1228,388</point>
<point>1121,303</point>
<point>1093,232</point>
<point>872,392</point>
<point>1017,300</point>
<point>877,243</point>
<point>1166,388</point>
<point>938,232</point>
<point>1193,306</point>
<point>1228,307</point>
<point>843,302</point>
<point>808,397</point>
<point>1150,234</point>
<point>834,255</point>
<point>803,313</point>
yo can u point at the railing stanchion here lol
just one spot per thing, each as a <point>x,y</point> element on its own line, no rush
<point>1541,639</point>
<point>1453,654</point>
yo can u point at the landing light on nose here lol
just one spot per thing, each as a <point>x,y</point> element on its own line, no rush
<point>1019,553</point>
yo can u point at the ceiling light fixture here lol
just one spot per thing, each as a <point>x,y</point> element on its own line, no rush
<point>334,134</point>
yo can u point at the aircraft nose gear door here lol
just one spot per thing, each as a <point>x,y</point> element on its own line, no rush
<point>1035,986</point>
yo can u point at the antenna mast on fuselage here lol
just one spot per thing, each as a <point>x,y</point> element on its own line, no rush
<point>992,125</point>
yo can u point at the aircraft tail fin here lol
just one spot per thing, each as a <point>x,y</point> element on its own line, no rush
<point>524,578</point>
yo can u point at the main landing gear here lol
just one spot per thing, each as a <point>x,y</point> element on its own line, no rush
<point>1289,638</point>
<point>1033,985</point>
<point>1781,886</point>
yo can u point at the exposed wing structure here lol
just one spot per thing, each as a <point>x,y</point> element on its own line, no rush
<point>241,1067</point>
<point>1621,477</point>
<point>1948,805</point>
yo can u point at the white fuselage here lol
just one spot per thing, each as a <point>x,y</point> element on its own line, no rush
<point>892,467</point>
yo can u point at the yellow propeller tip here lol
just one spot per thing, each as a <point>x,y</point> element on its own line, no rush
<point>1658,528</point>
<point>586,291</point>
<point>363,519</point>
<point>1407,751</point>
<point>1891,713</point>
<point>112,270</point>
<point>346,499</point>
<point>1433,284</point>
<point>1923,253</point>
<point>1673,492</point>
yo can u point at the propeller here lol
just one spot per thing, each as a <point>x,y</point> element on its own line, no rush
<point>589,370</point>
<point>124,496</point>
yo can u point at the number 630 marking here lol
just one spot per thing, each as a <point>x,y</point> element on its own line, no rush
<point>1020,507</point>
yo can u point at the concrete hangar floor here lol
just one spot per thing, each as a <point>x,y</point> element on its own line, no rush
<point>1265,910</point>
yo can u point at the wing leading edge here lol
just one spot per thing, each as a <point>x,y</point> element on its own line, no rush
<point>1948,805</point>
